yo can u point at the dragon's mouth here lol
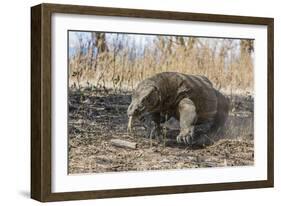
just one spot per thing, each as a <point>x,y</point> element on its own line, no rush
<point>140,113</point>
<point>141,117</point>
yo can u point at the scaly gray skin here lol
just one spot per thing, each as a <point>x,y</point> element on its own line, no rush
<point>191,99</point>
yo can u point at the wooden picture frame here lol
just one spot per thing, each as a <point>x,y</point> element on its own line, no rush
<point>41,116</point>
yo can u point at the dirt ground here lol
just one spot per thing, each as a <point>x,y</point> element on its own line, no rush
<point>97,116</point>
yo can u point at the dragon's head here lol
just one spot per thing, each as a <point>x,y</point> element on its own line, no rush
<point>144,100</point>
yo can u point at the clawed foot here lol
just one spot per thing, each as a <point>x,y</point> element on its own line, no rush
<point>186,139</point>
<point>186,136</point>
<point>195,142</point>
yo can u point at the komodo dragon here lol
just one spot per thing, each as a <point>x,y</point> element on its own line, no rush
<point>191,99</point>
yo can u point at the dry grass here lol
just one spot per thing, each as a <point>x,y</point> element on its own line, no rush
<point>227,63</point>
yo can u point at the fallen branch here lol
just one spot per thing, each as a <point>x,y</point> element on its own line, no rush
<point>123,143</point>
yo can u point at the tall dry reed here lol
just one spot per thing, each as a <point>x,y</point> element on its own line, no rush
<point>122,62</point>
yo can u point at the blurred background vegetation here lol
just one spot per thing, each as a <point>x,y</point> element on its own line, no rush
<point>119,61</point>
